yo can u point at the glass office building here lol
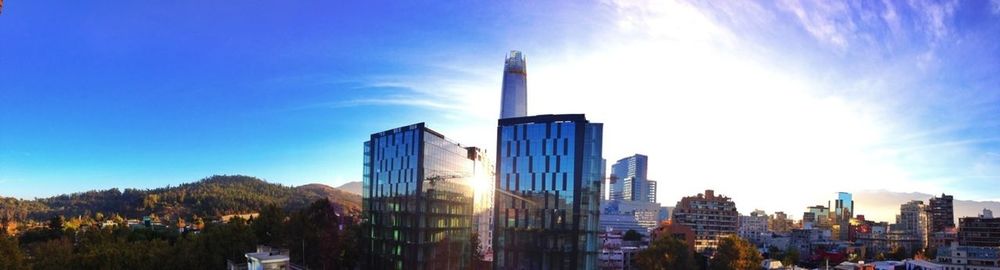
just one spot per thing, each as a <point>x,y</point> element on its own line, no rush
<point>418,200</point>
<point>629,181</point>
<point>548,183</point>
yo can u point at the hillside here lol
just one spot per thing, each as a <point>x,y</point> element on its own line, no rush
<point>212,196</point>
<point>351,187</point>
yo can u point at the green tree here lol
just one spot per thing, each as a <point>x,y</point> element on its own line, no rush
<point>57,223</point>
<point>665,253</point>
<point>791,257</point>
<point>11,255</point>
<point>54,254</point>
<point>632,235</point>
<point>269,226</point>
<point>734,253</point>
<point>325,237</point>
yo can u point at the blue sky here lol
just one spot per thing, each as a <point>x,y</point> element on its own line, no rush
<point>748,98</point>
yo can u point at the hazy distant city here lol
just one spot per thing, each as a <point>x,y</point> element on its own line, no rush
<point>612,135</point>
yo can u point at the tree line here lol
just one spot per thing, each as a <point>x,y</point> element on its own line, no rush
<point>322,235</point>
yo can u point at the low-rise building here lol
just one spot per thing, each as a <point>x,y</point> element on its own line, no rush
<point>969,257</point>
<point>267,258</point>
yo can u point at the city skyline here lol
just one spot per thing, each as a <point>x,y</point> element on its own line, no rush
<point>744,98</point>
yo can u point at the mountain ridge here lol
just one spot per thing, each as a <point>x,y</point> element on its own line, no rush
<point>211,196</point>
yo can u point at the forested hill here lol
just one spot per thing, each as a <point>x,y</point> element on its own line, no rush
<point>212,196</point>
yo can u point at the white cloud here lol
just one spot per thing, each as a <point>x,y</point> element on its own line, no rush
<point>670,81</point>
<point>827,21</point>
<point>934,17</point>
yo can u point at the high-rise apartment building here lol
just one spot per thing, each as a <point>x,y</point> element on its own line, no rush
<point>547,192</point>
<point>709,215</point>
<point>941,213</point>
<point>629,180</point>
<point>418,200</point>
<point>514,97</point>
<point>912,220</point>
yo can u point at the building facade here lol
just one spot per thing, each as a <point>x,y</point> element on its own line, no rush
<point>547,199</point>
<point>646,214</point>
<point>968,257</point>
<point>979,231</point>
<point>912,222</point>
<point>780,223</point>
<point>941,213</point>
<point>418,200</point>
<point>753,227</point>
<point>629,180</point>
<point>514,92</point>
<point>710,216</point>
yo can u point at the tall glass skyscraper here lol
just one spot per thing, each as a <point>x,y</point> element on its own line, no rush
<point>629,180</point>
<point>514,100</point>
<point>547,196</point>
<point>843,207</point>
<point>418,200</point>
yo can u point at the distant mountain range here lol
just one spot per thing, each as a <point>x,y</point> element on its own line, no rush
<point>882,205</point>
<point>213,196</point>
<point>351,187</point>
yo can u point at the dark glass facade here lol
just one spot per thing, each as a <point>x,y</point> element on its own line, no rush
<point>417,201</point>
<point>547,196</point>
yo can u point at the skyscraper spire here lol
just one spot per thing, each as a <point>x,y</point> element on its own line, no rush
<point>514,100</point>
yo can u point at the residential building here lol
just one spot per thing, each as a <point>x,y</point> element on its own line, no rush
<point>514,97</point>
<point>628,180</point>
<point>710,216</point>
<point>912,220</point>
<point>547,200</point>
<point>940,213</point>
<point>807,240</point>
<point>616,254</point>
<point>968,257</point>
<point>418,199</point>
<point>979,231</point>
<point>780,223</point>
<point>753,227</point>
<point>941,221</point>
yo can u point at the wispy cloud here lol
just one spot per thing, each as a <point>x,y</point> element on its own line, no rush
<point>827,21</point>
<point>719,102</point>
